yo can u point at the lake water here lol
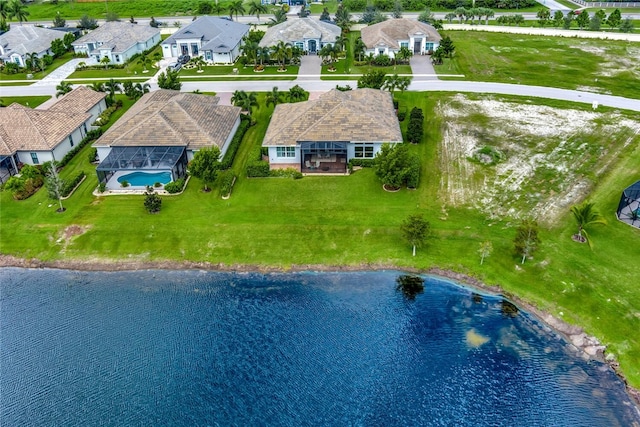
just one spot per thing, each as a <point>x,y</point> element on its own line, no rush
<point>188,348</point>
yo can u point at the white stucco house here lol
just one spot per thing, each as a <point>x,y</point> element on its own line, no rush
<point>33,136</point>
<point>308,34</point>
<point>216,40</point>
<point>162,131</point>
<point>387,37</point>
<point>22,40</point>
<point>118,41</point>
<point>322,135</point>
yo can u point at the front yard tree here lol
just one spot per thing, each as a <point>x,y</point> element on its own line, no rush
<point>297,94</point>
<point>55,185</point>
<point>169,80</point>
<point>58,48</point>
<point>244,100</point>
<point>274,97</point>
<point>586,216</point>
<point>448,48</point>
<point>543,16</point>
<point>373,79</point>
<point>526,241</point>
<point>205,165</point>
<point>415,230</point>
<point>63,88</point>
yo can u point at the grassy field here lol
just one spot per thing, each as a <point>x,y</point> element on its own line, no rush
<point>29,101</point>
<point>601,66</point>
<point>352,221</point>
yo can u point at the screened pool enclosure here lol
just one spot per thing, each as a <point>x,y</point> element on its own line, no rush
<point>141,159</point>
<point>629,206</point>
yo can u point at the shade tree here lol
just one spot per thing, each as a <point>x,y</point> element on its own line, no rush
<point>205,165</point>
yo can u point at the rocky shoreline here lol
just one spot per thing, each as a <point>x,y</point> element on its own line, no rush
<point>590,346</point>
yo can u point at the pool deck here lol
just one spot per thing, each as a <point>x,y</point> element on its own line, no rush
<point>114,185</point>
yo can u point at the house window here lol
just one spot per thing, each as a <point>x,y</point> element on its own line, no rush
<point>286,151</point>
<point>404,44</point>
<point>428,46</point>
<point>34,158</point>
<point>380,51</point>
<point>117,58</point>
<point>184,49</point>
<point>71,140</point>
<point>364,151</point>
<point>207,55</point>
<point>194,49</point>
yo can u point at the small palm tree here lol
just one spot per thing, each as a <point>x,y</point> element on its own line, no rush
<point>63,88</point>
<point>97,86</point>
<point>236,7</point>
<point>256,8</point>
<point>586,215</point>
<point>17,9</point>
<point>274,97</point>
<point>282,51</point>
<point>263,54</point>
<point>105,60</point>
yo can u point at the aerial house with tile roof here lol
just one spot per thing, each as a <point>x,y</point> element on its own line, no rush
<point>162,131</point>
<point>308,34</point>
<point>322,135</point>
<point>23,40</point>
<point>118,41</point>
<point>35,136</point>
<point>216,40</point>
<point>387,37</point>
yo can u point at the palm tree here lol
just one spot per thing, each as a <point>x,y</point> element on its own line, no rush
<point>105,60</point>
<point>17,9</point>
<point>145,61</point>
<point>63,88</point>
<point>4,14</point>
<point>236,7</point>
<point>279,16</point>
<point>404,54</point>
<point>97,86</point>
<point>256,8</point>
<point>112,87</point>
<point>199,62</point>
<point>282,52</point>
<point>274,97</point>
<point>140,89</point>
<point>359,47</point>
<point>217,8</point>
<point>586,215</point>
<point>263,54</point>
<point>250,50</point>
<point>297,94</point>
<point>32,61</point>
<point>244,100</point>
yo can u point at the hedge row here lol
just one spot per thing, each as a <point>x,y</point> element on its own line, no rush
<point>256,167</point>
<point>226,182</point>
<point>415,129</point>
<point>175,186</point>
<point>70,185</point>
<point>91,136</point>
<point>227,160</point>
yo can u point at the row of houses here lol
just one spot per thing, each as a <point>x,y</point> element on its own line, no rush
<point>162,131</point>
<point>215,39</point>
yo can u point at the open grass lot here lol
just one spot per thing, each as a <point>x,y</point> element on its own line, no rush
<point>352,221</point>
<point>8,78</point>
<point>601,66</point>
<point>29,101</point>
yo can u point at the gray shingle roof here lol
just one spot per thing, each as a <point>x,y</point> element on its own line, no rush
<point>118,36</point>
<point>28,38</point>
<point>217,34</point>
<point>299,30</point>
<point>362,115</point>
<point>390,31</point>
<point>172,118</point>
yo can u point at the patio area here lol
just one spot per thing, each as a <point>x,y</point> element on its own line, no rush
<point>329,164</point>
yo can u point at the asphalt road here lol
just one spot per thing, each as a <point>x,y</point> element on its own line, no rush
<point>325,85</point>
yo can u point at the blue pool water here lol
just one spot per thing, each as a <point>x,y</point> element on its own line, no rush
<point>142,179</point>
<point>188,348</point>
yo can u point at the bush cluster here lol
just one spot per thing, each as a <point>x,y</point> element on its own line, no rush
<point>226,182</point>
<point>104,117</point>
<point>71,184</point>
<point>416,126</point>
<point>91,136</point>
<point>227,160</point>
<point>286,173</point>
<point>256,167</point>
<point>25,185</point>
<point>175,186</point>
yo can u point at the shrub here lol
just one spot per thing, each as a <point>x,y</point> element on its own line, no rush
<point>230,154</point>
<point>382,60</point>
<point>258,169</point>
<point>402,115</point>
<point>152,202</point>
<point>69,185</point>
<point>124,184</point>
<point>93,155</point>
<point>175,186</point>
<point>412,176</point>
<point>226,182</point>
<point>104,117</point>
<point>286,173</point>
<point>102,187</point>
<point>157,185</point>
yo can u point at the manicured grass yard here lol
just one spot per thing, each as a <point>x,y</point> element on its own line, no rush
<point>351,221</point>
<point>225,72</point>
<point>7,78</point>
<point>29,101</point>
<point>602,66</point>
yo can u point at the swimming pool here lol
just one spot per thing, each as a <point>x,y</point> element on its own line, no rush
<point>141,179</point>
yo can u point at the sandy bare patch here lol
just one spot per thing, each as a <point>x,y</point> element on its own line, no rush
<point>69,233</point>
<point>545,149</point>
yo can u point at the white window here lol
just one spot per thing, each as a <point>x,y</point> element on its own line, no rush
<point>286,151</point>
<point>364,151</point>
<point>404,44</point>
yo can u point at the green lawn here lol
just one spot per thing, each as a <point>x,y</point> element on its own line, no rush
<point>133,68</point>
<point>350,220</point>
<point>227,71</point>
<point>7,78</point>
<point>602,66</point>
<point>29,101</point>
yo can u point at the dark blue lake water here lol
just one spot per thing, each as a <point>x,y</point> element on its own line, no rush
<point>186,348</point>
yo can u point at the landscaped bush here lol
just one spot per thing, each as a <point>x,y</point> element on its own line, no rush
<point>25,185</point>
<point>71,184</point>
<point>416,126</point>
<point>364,163</point>
<point>91,136</point>
<point>286,173</point>
<point>382,60</point>
<point>412,176</point>
<point>175,186</point>
<point>256,167</point>
<point>93,155</point>
<point>226,183</point>
<point>227,160</point>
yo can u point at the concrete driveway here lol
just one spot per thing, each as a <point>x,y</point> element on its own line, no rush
<point>422,68</point>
